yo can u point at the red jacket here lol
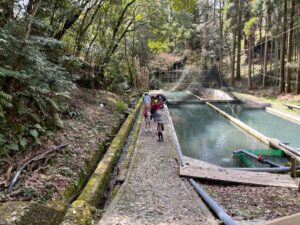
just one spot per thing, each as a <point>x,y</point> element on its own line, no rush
<point>155,107</point>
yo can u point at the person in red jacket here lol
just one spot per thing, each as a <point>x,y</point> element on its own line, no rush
<point>155,106</point>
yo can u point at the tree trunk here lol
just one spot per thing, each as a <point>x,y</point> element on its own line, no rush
<point>260,42</point>
<point>233,57</point>
<point>265,61</point>
<point>70,21</point>
<point>55,7</point>
<point>221,38</point>
<point>298,71</point>
<point>277,50</point>
<point>282,49</point>
<point>290,47</point>
<point>33,11</point>
<point>265,71</point>
<point>250,62</point>
<point>21,59</point>
<point>239,40</point>
<point>83,28</point>
<point>214,10</point>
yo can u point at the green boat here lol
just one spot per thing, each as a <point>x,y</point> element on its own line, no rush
<point>253,158</point>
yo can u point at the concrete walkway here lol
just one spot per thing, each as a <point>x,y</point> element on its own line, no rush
<point>153,192</point>
<point>278,106</point>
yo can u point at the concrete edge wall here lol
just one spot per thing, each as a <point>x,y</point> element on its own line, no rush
<point>128,165</point>
<point>283,115</point>
<point>80,212</point>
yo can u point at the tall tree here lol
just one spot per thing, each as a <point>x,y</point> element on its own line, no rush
<point>70,21</point>
<point>249,31</point>
<point>239,39</point>
<point>298,70</point>
<point>282,48</point>
<point>290,46</point>
<point>266,44</point>
<point>221,5</point>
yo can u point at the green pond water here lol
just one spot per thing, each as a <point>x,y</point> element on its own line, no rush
<point>268,124</point>
<point>204,134</point>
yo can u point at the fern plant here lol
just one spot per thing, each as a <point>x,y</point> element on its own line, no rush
<point>5,102</point>
<point>33,84</point>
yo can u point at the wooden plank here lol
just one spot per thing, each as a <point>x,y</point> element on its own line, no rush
<point>199,163</point>
<point>273,142</point>
<point>244,177</point>
<point>287,220</point>
<point>290,106</point>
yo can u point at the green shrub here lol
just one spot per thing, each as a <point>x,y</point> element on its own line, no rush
<point>120,106</point>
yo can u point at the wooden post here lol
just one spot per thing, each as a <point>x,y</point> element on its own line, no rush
<point>293,167</point>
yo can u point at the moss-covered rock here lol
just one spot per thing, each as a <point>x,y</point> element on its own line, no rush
<point>80,213</point>
<point>31,213</point>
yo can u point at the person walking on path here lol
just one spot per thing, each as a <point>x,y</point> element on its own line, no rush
<point>147,100</point>
<point>147,113</point>
<point>160,124</point>
<point>161,99</point>
<point>155,106</point>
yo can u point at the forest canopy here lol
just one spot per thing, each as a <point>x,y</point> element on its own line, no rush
<point>48,47</point>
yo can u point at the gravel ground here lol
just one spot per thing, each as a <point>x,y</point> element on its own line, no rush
<point>245,202</point>
<point>153,192</point>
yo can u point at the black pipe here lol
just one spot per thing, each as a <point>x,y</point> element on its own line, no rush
<point>271,170</point>
<point>261,160</point>
<point>212,204</point>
